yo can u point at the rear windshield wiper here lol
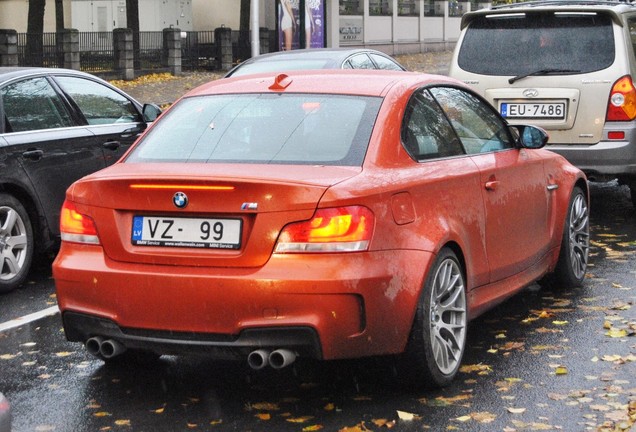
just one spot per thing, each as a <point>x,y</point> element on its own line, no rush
<point>543,72</point>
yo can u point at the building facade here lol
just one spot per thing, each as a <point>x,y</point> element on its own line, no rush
<point>394,26</point>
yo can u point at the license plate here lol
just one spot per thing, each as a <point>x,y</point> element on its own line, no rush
<point>533,110</point>
<point>186,232</point>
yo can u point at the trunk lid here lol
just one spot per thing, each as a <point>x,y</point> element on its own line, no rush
<point>244,207</point>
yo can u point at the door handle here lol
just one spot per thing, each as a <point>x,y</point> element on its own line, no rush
<point>33,154</point>
<point>111,145</point>
<point>492,185</point>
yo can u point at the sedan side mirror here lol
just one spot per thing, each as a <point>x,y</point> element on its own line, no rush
<point>532,137</point>
<point>151,112</point>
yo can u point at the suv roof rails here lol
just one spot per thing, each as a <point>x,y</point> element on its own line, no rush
<point>564,3</point>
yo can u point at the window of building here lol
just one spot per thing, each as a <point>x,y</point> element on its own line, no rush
<point>409,7</point>
<point>433,8</point>
<point>380,7</point>
<point>350,7</point>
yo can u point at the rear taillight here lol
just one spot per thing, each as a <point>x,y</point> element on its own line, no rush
<point>76,227</point>
<point>341,229</point>
<point>622,101</point>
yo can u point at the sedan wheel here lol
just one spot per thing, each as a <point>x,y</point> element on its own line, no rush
<point>438,339</point>
<point>572,265</point>
<point>16,243</point>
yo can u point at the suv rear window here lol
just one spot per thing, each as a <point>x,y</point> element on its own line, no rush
<point>520,43</point>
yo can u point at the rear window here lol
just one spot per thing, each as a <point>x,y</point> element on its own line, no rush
<point>263,128</point>
<point>522,43</point>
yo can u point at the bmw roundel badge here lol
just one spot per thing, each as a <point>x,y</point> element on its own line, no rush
<point>180,200</point>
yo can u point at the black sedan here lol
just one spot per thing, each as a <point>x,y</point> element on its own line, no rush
<point>317,58</point>
<point>56,125</point>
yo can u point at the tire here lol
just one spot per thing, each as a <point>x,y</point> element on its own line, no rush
<point>575,244</point>
<point>16,243</point>
<point>438,337</point>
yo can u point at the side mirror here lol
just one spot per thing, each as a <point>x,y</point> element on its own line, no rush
<point>151,112</point>
<point>532,137</point>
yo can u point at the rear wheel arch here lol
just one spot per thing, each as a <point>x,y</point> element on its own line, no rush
<point>459,253</point>
<point>420,364</point>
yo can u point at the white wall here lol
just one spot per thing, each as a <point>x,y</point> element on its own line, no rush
<point>14,13</point>
<point>407,29</point>
<point>211,14</point>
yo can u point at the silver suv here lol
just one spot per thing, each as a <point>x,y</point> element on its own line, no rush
<point>566,66</point>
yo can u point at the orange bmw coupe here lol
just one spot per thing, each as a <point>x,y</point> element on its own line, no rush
<point>319,214</point>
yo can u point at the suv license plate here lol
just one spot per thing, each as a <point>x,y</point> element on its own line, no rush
<point>533,110</point>
<point>186,232</point>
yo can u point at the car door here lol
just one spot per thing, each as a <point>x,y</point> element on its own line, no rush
<point>113,118</point>
<point>512,179</point>
<point>43,137</point>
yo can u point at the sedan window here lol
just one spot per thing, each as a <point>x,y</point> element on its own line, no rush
<point>479,128</point>
<point>98,103</point>
<point>33,104</point>
<point>385,63</point>
<point>360,61</point>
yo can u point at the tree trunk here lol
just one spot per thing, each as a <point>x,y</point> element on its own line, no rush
<point>59,28</point>
<point>59,15</point>
<point>35,31</point>
<point>244,45</point>
<point>132,22</point>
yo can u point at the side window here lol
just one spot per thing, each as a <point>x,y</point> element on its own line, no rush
<point>384,63</point>
<point>426,133</point>
<point>479,128</point>
<point>361,61</point>
<point>98,103</point>
<point>33,104</point>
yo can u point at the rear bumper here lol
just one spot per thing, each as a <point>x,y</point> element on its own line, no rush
<point>605,160</point>
<point>323,306</point>
<point>304,340</point>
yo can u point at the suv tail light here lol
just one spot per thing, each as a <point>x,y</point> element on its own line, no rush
<point>622,101</point>
<point>76,227</point>
<point>340,229</point>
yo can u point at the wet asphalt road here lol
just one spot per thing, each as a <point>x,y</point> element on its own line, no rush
<point>544,360</point>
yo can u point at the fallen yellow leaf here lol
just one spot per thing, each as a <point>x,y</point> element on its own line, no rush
<point>299,419</point>
<point>406,416</point>
<point>483,417</point>
<point>264,416</point>
<point>122,422</point>
<point>8,356</point>
<point>616,333</point>
<point>102,414</point>
<point>360,427</point>
<point>312,428</point>
<point>516,410</point>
